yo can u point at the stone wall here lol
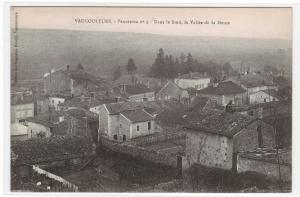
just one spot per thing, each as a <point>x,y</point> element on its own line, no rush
<point>156,138</point>
<point>267,168</point>
<point>139,152</point>
<point>209,150</point>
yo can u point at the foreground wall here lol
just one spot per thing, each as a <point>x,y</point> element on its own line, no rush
<point>267,168</point>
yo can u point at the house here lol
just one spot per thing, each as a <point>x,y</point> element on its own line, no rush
<point>169,91</point>
<point>214,137</point>
<point>82,122</point>
<point>41,104</point>
<point>56,99</point>
<point>136,92</point>
<point>83,101</point>
<point>199,103</point>
<point>224,92</point>
<point>152,83</point>
<point>73,81</point>
<point>192,80</point>
<point>255,82</point>
<point>38,128</point>
<point>21,107</point>
<point>266,161</point>
<point>18,132</point>
<point>134,123</point>
<point>264,96</point>
<point>119,119</point>
<point>272,108</point>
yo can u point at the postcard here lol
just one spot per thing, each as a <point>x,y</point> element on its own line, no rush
<point>151,99</point>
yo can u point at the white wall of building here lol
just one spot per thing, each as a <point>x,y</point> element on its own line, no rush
<point>22,111</point>
<point>261,97</point>
<point>192,83</point>
<point>35,128</point>
<point>54,101</point>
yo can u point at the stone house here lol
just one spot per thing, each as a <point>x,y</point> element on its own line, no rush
<point>215,137</point>
<point>82,122</point>
<point>135,92</point>
<point>134,123</point>
<point>255,82</point>
<point>192,80</point>
<point>21,107</point>
<point>118,119</point>
<point>56,99</point>
<point>41,104</point>
<point>73,81</point>
<point>169,91</point>
<point>224,92</point>
<point>264,96</point>
<point>84,102</point>
<point>266,162</point>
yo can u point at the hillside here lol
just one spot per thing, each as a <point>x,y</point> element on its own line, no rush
<point>99,52</point>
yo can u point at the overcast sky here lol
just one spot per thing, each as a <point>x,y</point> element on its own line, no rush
<point>274,23</point>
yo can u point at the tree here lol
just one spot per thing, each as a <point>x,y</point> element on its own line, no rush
<point>130,67</point>
<point>117,73</point>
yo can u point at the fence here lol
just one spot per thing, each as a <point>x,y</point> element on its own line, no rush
<point>140,152</point>
<point>64,182</point>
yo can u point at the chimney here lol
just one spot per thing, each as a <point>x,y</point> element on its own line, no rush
<point>259,135</point>
<point>22,96</point>
<point>68,67</point>
<point>82,98</point>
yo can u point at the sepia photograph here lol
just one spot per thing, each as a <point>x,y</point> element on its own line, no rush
<point>148,99</point>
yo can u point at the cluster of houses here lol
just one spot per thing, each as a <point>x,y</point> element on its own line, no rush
<point>221,119</point>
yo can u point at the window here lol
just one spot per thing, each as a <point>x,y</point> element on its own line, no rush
<point>251,113</point>
<point>265,100</point>
<point>138,128</point>
<point>115,137</point>
<point>120,125</point>
<point>149,125</point>
<point>273,99</point>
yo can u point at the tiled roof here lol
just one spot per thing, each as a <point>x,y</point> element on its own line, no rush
<point>81,74</point>
<point>198,102</point>
<point>223,88</point>
<point>269,155</point>
<point>51,117</point>
<point>37,150</point>
<point>281,81</point>
<point>78,102</point>
<point>81,114</point>
<point>41,121</point>
<point>218,122</point>
<point>257,80</point>
<point>170,87</point>
<point>137,89</point>
<point>137,115</point>
<point>272,93</point>
<point>115,108</point>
